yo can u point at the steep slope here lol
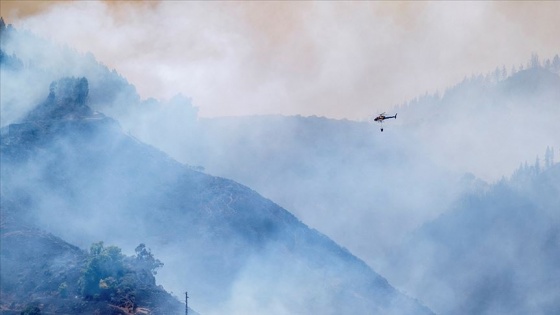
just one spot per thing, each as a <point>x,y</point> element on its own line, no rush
<point>337,175</point>
<point>41,271</point>
<point>80,177</point>
<point>495,252</point>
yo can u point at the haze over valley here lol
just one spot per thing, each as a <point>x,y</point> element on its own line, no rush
<point>269,188</point>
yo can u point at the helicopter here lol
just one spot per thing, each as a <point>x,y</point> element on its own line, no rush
<point>382,117</point>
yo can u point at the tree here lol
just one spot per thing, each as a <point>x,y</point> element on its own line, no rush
<point>103,263</point>
<point>496,75</point>
<point>556,63</point>
<point>549,157</point>
<point>146,259</point>
<point>504,73</point>
<point>111,276</point>
<point>535,62</point>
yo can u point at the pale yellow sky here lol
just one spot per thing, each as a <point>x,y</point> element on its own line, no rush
<point>334,59</point>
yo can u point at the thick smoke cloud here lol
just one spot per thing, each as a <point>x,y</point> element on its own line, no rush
<point>340,60</point>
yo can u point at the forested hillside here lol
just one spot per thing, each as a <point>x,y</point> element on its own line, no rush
<point>493,252</point>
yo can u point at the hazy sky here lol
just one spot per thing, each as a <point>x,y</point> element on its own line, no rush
<point>334,59</point>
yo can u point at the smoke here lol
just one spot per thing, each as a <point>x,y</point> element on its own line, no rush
<point>363,188</point>
<point>33,62</point>
<point>84,180</point>
<point>340,60</point>
<point>491,253</point>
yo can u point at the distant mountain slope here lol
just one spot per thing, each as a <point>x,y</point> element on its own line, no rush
<point>336,175</point>
<point>340,175</point>
<point>76,174</point>
<point>493,253</point>
<point>488,126</point>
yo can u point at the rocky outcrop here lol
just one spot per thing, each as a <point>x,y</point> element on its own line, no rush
<point>66,100</point>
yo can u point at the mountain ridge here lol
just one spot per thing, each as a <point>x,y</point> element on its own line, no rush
<point>493,252</point>
<point>485,124</point>
<point>211,231</point>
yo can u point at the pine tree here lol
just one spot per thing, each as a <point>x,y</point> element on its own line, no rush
<point>535,62</point>
<point>547,163</point>
<point>513,70</point>
<point>556,63</point>
<point>504,73</point>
